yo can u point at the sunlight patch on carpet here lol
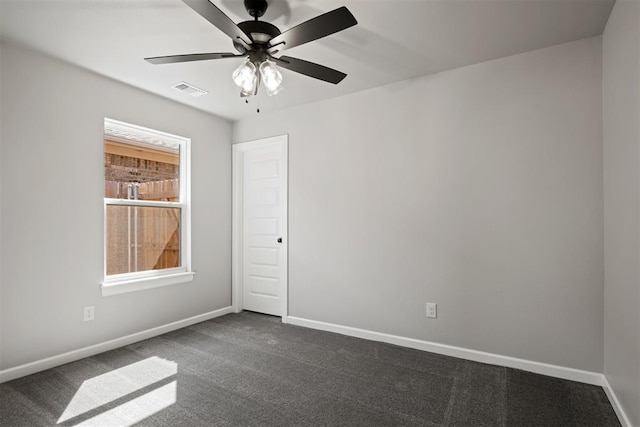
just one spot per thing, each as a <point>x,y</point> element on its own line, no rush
<point>119,383</point>
<point>136,410</point>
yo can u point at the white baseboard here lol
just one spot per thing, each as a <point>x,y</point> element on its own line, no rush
<point>460,352</point>
<point>617,407</point>
<point>72,356</point>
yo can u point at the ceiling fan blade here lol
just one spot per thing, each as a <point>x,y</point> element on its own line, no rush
<point>313,29</point>
<point>311,69</point>
<point>189,57</point>
<point>211,13</point>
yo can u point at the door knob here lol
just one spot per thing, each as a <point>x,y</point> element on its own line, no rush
<point>279,239</point>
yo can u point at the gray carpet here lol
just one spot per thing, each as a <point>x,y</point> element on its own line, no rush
<point>251,370</point>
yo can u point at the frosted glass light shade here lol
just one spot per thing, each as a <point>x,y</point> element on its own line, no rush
<point>271,77</point>
<point>246,78</point>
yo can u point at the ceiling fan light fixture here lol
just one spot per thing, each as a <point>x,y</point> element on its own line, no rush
<point>259,40</point>
<point>246,77</point>
<point>271,77</point>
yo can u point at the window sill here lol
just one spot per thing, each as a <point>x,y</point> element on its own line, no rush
<point>133,285</point>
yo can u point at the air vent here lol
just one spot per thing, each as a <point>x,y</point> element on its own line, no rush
<point>190,89</point>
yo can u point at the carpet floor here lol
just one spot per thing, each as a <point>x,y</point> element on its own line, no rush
<point>249,369</point>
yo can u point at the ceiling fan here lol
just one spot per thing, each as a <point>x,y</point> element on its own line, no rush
<point>258,41</point>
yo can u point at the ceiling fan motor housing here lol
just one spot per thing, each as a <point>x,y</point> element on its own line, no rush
<point>260,33</point>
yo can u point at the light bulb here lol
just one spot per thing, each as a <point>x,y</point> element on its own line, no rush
<point>245,77</point>
<point>271,77</point>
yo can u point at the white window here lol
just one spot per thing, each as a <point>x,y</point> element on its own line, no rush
<point>146,208</point>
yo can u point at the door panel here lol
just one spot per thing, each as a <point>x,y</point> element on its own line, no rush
<point>263,223</point>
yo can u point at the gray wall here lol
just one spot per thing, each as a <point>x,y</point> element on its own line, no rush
<point>479,189</point>
<point>52,214</point>
<point>1,298</point>
<point>621,140</point>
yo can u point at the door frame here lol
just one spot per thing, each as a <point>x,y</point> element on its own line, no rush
<point>237,215</point>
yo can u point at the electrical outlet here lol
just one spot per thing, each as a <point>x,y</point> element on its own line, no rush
<point>89,313</point>
<point>432,310</point>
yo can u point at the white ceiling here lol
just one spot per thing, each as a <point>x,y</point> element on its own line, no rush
<point>394,40</point>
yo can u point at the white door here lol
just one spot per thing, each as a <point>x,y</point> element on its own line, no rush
<point>260,226</point>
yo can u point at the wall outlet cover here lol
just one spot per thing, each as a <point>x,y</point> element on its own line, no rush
<point>431,310</point>
<point>89,313</point>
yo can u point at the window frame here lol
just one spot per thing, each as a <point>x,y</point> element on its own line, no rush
<point>129,282</point>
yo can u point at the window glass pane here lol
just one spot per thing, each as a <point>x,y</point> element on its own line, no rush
<point>142,238</point>
<point>141,171</point>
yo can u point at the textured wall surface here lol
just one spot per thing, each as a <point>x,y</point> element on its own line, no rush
<point>53,221</point>
<point>621,141</point>
<point>479,189</point>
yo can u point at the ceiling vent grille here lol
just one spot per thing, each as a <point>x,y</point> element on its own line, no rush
<point>190,89</point>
